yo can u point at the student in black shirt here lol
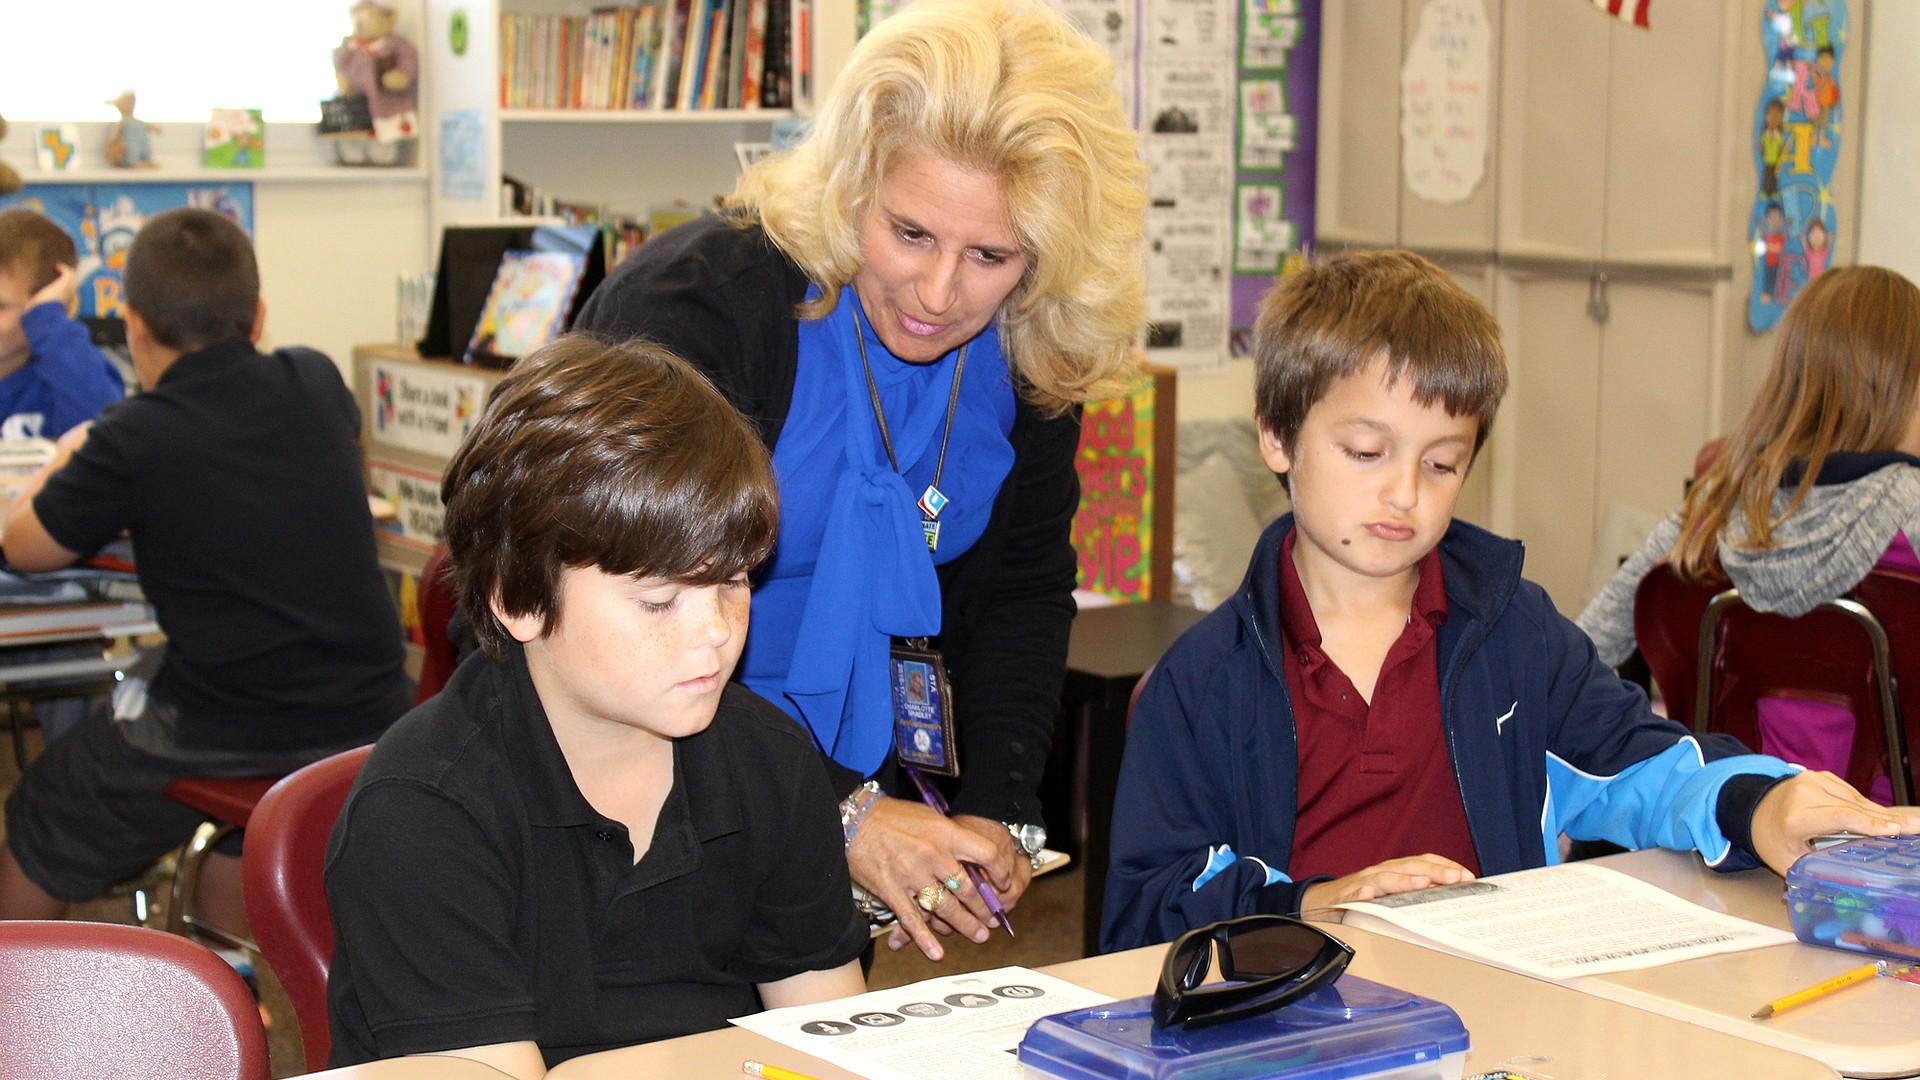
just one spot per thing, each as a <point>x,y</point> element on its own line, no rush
<point>591,838</point>
<point>237,474</point>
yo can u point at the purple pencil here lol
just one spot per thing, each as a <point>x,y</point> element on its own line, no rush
<point>932,797</point>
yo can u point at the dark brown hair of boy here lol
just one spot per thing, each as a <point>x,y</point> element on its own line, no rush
<point>620,457</point>
<point>191,277</point>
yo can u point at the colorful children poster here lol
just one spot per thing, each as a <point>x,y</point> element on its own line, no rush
<point>235,139</point>
<point>1796,143</point>
<point>1113,527</point>
<point>531,292</point>
<point>102,219</point>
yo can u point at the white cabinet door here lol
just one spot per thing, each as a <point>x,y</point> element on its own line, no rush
<point>1357,193</point>
<point>1553,129</point>
<point>1548,443</point>
<point>1667,135</point>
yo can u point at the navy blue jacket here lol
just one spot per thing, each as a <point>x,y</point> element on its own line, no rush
<point>1544,738</point>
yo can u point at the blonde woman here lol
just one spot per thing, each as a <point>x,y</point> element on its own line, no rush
<point>1818,484</point>
<point>909,305</point>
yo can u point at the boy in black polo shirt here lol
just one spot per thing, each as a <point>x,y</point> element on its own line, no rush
<point>238,476</point>
<point>591,838</point>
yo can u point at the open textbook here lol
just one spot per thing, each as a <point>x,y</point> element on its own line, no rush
<point>1558,922</point>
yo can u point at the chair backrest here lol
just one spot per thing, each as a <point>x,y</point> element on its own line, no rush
<point>1715,659</point>
<point>437,605</point>
<point>286,898</point>
<point>1894,598</point>
<point>82,1000</point>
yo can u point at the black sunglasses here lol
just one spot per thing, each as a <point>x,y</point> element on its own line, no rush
<point>1268,960</point>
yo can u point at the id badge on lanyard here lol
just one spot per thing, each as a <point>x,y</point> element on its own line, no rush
<point>922,709</point>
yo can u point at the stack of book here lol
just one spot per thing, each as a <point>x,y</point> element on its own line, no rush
<point>659,54</point>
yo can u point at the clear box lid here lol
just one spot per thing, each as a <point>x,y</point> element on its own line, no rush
<point>1354,1028</point>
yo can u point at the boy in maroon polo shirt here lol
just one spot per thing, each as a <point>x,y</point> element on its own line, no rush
<point>1386,704</point>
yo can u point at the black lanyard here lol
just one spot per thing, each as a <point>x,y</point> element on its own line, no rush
<point>933,500</point>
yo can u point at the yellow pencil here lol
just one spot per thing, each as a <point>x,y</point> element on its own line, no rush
<point>771,1072</point>
<point>1818,990</point>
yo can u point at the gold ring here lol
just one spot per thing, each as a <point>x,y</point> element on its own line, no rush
<point>952,883</point>
<point>930,897</point>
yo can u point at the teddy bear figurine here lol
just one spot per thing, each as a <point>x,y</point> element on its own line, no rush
<point>382,67</point>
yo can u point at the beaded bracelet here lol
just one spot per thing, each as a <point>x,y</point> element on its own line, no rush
<point>853,808</point>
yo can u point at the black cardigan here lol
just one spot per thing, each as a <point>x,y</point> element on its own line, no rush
<point>722,296</point>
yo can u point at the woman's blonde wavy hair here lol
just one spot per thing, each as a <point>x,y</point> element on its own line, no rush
<point>1845,377</point>
<point>1010,89</point>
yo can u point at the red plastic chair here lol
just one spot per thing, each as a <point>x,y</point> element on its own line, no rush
<point>83,1000</point>
<point>437,605</point>
<point>1714,659</point>
<point>1894,598</point>
<point>227,805</point>
<point>286,900</point>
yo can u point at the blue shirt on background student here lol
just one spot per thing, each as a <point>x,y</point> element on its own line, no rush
<point>51,375</point>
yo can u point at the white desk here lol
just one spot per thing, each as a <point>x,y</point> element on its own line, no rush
<point>425,1067</point>
<point>1552,1031</point>
<point>1868,1030</point>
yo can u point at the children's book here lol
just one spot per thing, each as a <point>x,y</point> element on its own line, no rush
<point>235,139</point>
<point>56,147</point>
<point>531,293</point>
<point>667,68</point>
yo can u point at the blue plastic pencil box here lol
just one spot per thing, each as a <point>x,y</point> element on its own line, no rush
<point>1351,1030</point>
<point>1863,896</point>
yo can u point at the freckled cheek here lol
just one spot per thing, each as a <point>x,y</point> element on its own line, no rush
<point>736,607</point>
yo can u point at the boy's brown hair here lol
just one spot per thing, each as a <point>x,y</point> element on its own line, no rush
<point>1334,317</point>
<point>621,457</point>
<point>192,278</point>
<point>33,248</point>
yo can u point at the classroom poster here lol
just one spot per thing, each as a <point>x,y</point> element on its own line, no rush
<point>1188,100</point>
<point>1444,103</point>
<point>102,219</point>
<point>1273,191</point>
<point>1796,143</point>
<point>1113,528</point>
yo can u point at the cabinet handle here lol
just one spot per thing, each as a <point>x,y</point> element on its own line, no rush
<point>1597,306</point>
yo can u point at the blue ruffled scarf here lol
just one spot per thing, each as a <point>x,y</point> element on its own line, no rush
<point>851,570</point>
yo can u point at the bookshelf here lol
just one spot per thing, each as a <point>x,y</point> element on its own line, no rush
<point>627,160</point>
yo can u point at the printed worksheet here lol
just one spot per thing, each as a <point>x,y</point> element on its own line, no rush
<point>1557,922</point>
<point>961,1027</point>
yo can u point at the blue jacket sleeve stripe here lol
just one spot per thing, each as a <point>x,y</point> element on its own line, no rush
<point>1668,800</point>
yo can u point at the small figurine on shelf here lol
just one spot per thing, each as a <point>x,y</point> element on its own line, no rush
<point>9,179</point>
<point>382,69</point>
<point>130,140</point>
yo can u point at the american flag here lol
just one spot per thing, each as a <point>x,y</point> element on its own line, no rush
<point>1633,11</point>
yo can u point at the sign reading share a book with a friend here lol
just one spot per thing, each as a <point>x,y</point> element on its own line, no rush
<point>423,409</point>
